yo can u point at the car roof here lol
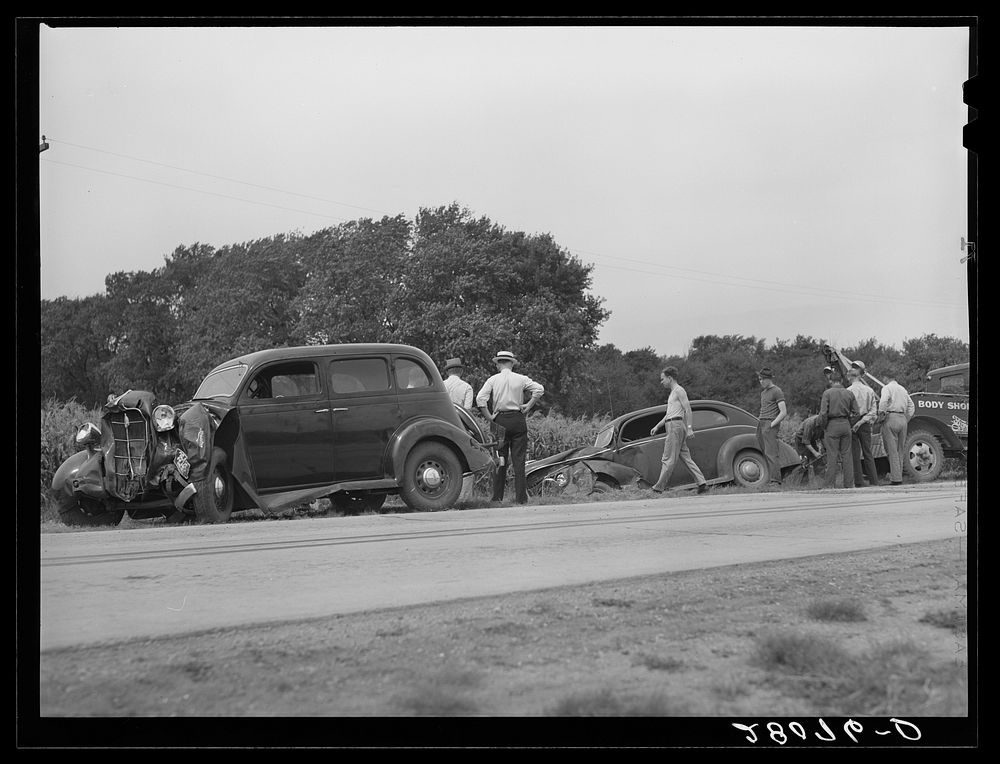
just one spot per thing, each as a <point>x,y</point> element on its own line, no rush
<point>699,403</point>
<point>948,370</point>
<point>305,351</point>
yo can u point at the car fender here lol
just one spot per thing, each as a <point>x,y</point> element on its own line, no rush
<point>934,426</point>
<point>473,455</point>
<point>194,427</point>
<point>81,473</point>
<point>728,451</point>
<point>621,474</point>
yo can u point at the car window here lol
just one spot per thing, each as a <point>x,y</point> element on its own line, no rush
<point>410,374</point>
<point>703,419</point>
<point>639,428</point>
<point>954,383</point>
<point>604,437</point>
<point>222,383</point>
<point>286,380</point>
<point>359,375</point>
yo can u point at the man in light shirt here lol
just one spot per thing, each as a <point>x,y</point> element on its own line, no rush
<point>508,390</point>
<point>459,390</point>
<point>899,409</point>
<point>772,410</point>
<point>861,430</point>
<point>678,426</point>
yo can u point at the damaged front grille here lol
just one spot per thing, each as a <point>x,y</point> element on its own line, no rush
<point>132,434</point>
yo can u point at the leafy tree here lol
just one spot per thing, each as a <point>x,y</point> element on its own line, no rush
<point>470,288</point>
<point>74,349</point>
<point>236,300</point>
<point>353,282</point>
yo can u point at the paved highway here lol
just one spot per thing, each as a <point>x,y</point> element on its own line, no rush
<point>132,583</point>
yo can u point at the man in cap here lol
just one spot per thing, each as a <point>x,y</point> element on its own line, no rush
<point>899,409</point>
<point>861,430</point>
<point>772,411</point>
<point>508,390</point>
<point>459,390</point>
<point>678,427</point>
<point>836,410</point>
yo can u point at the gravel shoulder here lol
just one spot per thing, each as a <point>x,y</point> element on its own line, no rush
<point>683,644</point>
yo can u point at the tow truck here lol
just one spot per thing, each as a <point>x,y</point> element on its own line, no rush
<point>939,428</point>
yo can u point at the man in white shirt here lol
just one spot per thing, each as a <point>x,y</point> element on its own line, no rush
<point>459,390</point>
<point>678,425</point>
<point>508,389</point>
<point>861,430</point>
<point>899,409</point>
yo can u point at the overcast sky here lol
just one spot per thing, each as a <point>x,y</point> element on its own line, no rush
<point>766,181</point>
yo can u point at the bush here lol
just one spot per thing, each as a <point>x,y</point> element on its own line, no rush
<point>60,422</point>
<point>551,434</point>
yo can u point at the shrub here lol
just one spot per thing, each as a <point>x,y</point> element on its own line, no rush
<point>836,610</point>
<point>548,435</point>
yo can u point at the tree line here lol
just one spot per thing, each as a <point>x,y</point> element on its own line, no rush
<point>447,282</point>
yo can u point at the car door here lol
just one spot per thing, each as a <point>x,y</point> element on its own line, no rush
<point>286,423</point>
<point>365,414</point>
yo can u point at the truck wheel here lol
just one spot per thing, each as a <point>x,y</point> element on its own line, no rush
<point>432,478</point>
<point>72,512</point>
<point>357,503</point>
<point>213,503</point>
<point>750,469</point>
<point>923,455</point>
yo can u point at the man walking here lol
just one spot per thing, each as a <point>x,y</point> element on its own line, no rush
<point>898,408</point>
<point>772,411</point>
<point>459,390</point>
<point>836,408</point>
<point>678,427</point>
<point>509,412</point>
<point>861,430</point>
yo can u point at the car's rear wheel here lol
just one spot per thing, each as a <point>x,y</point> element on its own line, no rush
<point>432,478</point>
<point>84,512</point>
<point>213,503</point>
<point>357,503</point>
<point>750,469</point>
<point>923,456</point>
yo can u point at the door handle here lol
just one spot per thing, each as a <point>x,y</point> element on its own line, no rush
<point>321,411</point>
<point>343,409</point>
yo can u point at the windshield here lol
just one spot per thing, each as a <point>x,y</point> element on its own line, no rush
<point>221,383</point>
<point>604,437</point>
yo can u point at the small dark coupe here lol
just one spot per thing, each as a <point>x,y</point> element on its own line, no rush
<point>725,448</point>
<point>274,428</point>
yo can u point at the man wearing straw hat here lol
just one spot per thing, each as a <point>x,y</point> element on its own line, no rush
<point>508,390</point>
<point>459,390</point>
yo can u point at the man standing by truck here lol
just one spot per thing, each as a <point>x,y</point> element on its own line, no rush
<point>836,409</point>
<point>898,408</point>
<point>861,430</point>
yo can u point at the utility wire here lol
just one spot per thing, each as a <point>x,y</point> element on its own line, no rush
<point>216,177</point>
<point>196,190</point>
<point>775,286</point>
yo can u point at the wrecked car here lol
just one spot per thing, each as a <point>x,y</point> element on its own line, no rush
<point>276,428</point>
<point>623,454</point>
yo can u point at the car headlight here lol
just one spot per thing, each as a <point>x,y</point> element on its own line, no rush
<point>88,435</point>
<point>163,418</point>
<point>561,478</point>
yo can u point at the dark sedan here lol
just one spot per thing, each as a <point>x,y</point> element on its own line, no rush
<point>724,447</point>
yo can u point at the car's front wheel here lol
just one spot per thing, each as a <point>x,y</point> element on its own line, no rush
<point>213,503</point>
<point>750,469</point>
<point>603,485</point>
<point>72,512</point>
<point>432,478</point>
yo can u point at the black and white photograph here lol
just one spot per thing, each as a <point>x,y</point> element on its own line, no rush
<point>603,383</point>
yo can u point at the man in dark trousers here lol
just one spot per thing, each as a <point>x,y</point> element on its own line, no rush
<point>508,390</point>
<point>836,410</point>
<point>772,411</point>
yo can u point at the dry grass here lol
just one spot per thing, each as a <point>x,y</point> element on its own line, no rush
<point>846,610</point>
